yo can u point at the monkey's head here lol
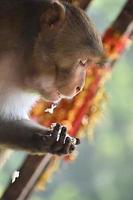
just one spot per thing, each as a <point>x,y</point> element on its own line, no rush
<point>66,45</point>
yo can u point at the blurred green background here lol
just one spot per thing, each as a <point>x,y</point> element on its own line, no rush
<point>104,167</point>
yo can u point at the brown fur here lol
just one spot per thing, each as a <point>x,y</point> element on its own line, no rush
<point>47,57</point>
<point>45,48</point>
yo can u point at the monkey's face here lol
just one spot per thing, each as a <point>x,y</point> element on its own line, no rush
<point>64,77</point>
<point>67,44</point>
<point>71,72</point>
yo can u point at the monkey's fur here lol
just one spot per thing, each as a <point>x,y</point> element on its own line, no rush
<point>45,47</point>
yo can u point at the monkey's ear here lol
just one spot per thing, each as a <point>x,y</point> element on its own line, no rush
<point>54,16</point>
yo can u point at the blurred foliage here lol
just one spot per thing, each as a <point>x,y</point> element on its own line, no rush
<point>104,12</point>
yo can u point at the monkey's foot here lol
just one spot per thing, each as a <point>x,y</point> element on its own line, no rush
<point>57,141</point>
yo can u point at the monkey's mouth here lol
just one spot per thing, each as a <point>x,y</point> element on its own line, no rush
<point>54,95</point>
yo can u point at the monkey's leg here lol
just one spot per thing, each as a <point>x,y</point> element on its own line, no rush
<point>34,138</point>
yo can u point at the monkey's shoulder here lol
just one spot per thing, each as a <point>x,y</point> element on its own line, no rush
<point>16,103</point>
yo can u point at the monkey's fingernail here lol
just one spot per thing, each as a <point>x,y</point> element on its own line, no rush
<point>77,141</point>
<point>57,126</point>
<point>63,129</point>
<point>68,140</point>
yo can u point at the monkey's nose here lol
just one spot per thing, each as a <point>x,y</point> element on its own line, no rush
<point>78,89</point>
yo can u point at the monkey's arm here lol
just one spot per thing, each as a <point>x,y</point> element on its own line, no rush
<point>31,137</point>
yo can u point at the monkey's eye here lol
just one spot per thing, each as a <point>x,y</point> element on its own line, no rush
<point>83,62</point>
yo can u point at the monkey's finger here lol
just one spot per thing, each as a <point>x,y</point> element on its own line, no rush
<point>77,141</point>
<point>62,135</point>
<point>56,127</point>
<point>57,146</point>
<point>55,131</point>
<point>66,146</point>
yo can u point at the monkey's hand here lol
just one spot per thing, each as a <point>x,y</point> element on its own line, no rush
<point>36,139</point>
<point>56,141</point>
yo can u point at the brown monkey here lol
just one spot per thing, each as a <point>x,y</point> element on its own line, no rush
<point>45,48</point>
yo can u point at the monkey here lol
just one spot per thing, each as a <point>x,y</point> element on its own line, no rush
<point>46,47</point>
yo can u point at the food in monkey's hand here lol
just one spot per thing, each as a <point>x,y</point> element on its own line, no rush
<point>56,141</point>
